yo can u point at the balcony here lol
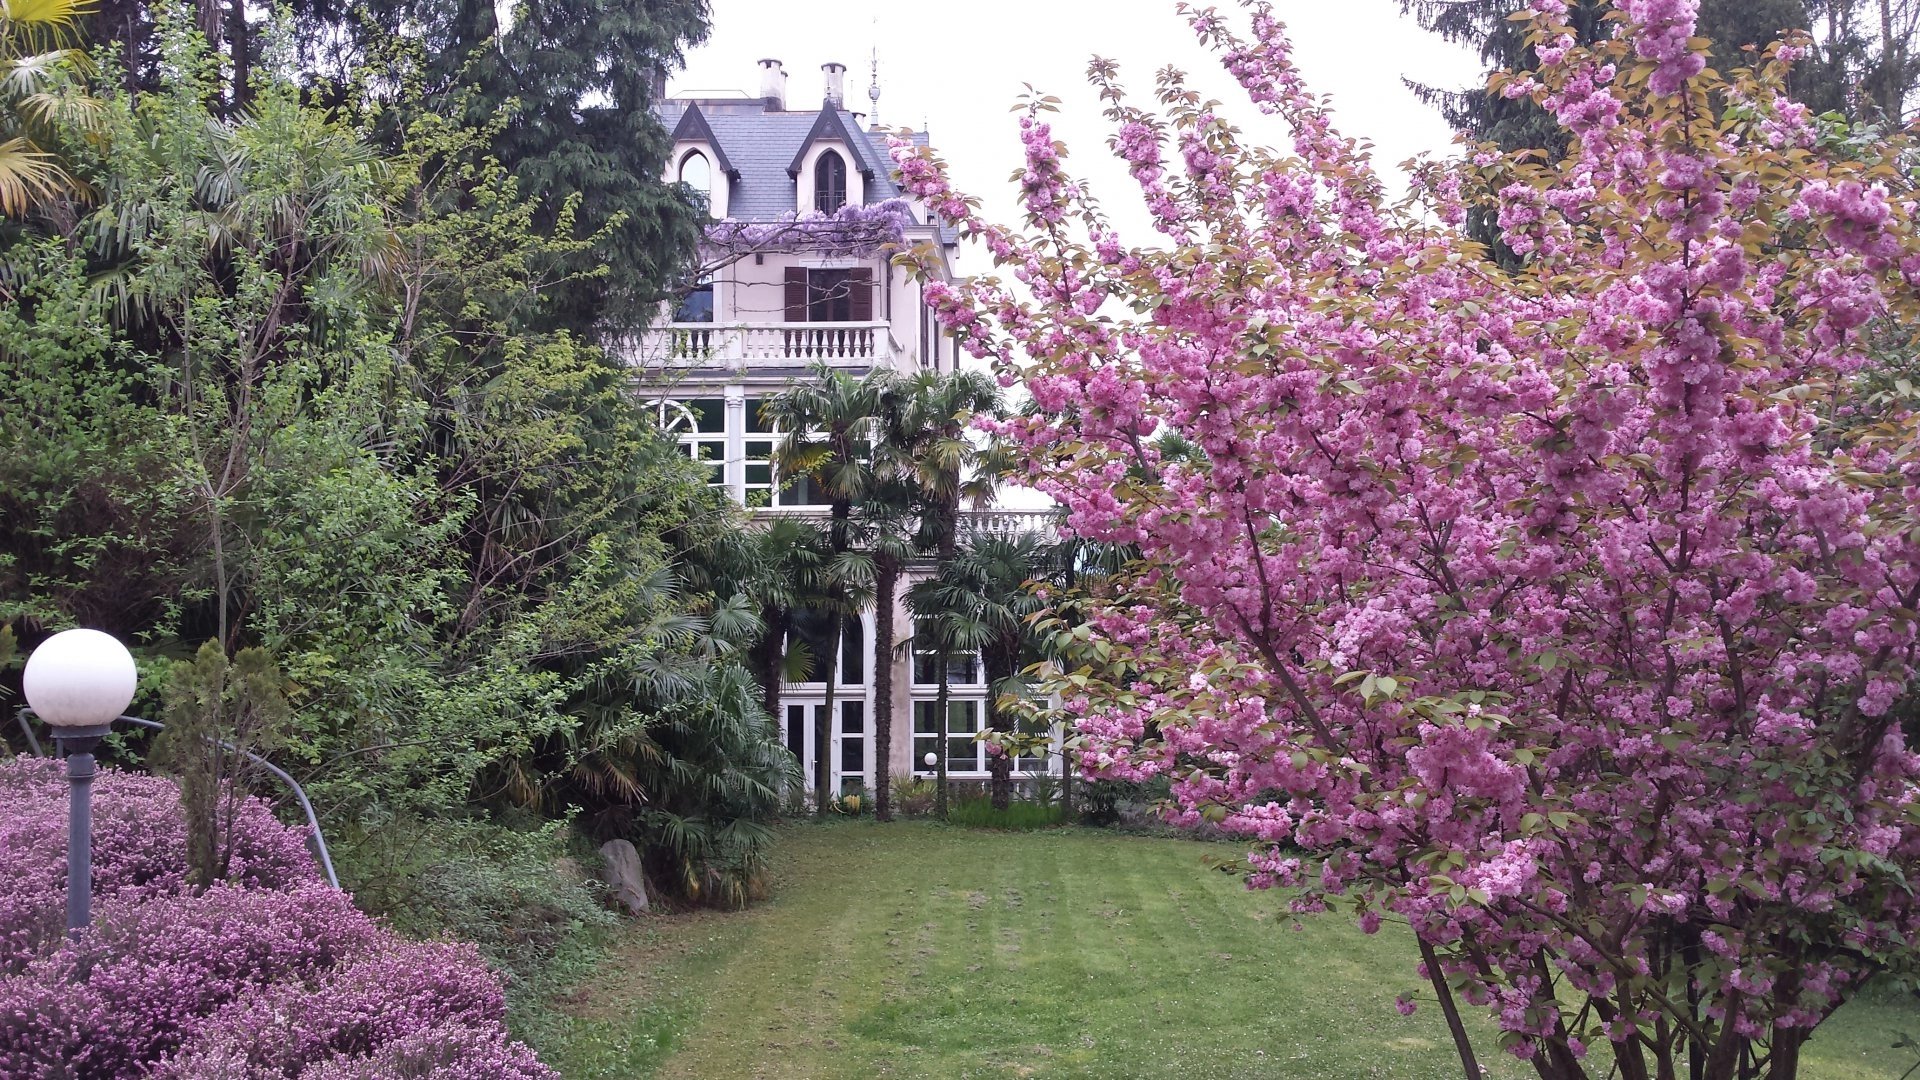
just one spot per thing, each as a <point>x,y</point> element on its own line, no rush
<point>746,346</point>
<point>1004,524</point>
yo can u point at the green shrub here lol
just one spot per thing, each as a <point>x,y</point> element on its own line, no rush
<point>1045,788</point>
<point>855,802</point>
<point>913,796</point>
<point>978,813</point>
<point>519,894</point>
<point>1123,804</point>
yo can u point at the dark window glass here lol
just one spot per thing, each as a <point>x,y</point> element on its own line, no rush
<point>710,414</point>
<point>853,653</point>
<point>797,731</point>
<point>962,752</point>
<point>804,492</point>
<point>812,628</point>
<point>756,425</point>
<point>696,306</point>
<point>963,668</point>
<point>829,182</point>
<point>830,295</point>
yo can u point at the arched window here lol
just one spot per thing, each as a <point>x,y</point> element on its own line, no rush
<point>697,174</point>
<point>701,429</point>
<point>829,183</point>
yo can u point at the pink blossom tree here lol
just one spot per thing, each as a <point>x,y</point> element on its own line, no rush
<point>1567,612</point>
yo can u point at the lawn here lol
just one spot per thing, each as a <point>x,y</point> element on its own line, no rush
<point>919,950</point>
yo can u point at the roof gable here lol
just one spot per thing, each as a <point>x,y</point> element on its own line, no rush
<point>829,123</point>
<point>693,126</point>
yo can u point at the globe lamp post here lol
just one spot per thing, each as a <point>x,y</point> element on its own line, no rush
<point>79,681</point>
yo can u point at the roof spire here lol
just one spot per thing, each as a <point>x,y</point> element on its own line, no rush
<point>873,88</point>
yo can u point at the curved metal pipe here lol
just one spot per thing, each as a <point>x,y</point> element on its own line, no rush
<point>316,840</point>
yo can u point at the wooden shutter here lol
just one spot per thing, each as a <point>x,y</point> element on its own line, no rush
<point>860,293</point>
<point>796,294</point>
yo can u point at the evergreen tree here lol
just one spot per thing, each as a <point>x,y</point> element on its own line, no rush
<point>576,82</point>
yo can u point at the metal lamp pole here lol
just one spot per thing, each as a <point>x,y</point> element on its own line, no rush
<point>78,682</point>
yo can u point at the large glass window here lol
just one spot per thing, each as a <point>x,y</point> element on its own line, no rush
<point>853,740</point>
<point>963,668</point>
<point>829,182</point>
<point>762,440</point>
<point>701,425</point>
<point>963,720</point>
<point>799,733</point>
<point>812,628</point>
<point>853,652</point>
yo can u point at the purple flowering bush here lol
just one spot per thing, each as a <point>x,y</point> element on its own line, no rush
<point>139,849</point>
<point>270,974</point>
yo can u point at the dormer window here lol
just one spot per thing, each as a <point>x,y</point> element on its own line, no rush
<point>697,173</point>
<point>829,182</point>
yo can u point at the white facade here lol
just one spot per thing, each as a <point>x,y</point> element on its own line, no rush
<point>762,320</point>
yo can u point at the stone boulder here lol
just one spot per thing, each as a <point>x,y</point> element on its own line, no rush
<point>624,878</point>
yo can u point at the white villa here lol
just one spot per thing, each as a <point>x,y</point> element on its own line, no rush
<point>760,321</point>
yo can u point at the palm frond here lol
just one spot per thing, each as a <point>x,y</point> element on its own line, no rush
<point>28,175</point>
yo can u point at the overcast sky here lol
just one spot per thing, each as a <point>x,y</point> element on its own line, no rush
<point>957,77</point>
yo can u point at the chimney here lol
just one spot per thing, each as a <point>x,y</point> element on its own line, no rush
<point>836,79</point>
<point>773,84</point>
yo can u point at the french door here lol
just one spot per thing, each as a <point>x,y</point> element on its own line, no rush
<point>848,752</point>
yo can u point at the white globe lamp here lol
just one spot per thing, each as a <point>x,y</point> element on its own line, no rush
<point>79,682</point>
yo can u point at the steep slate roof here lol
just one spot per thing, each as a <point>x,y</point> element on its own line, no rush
<point>693,125</point>
<point>757,148</point>
<point>829,124</point>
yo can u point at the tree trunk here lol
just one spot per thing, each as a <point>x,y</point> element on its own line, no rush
<point>947,547</point>
<point>767,661</point>
<point>838,543</point>
<point>823,723</point>
<point>886,584</point>
<point>1450,1010</point>
<point>1785,1064</point>
<point>1066,762</point>
<point>940,706</point>
<point>239,50</point>
<point>1066,779</point>
<point>1004,658</point>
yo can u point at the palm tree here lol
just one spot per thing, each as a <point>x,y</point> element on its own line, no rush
<point>947,467</point>
<point>830,423</point>
<point>38,38</point>
<point>789,563</point>
<point>672,751</point>
<point>888,521</point>
<point>985,597</point>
